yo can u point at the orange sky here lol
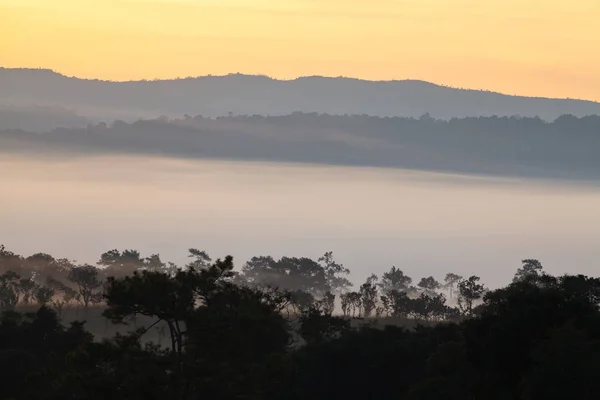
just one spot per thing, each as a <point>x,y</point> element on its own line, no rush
<point>530,47</point>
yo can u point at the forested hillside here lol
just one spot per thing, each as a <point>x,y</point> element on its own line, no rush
<point>517,147</point>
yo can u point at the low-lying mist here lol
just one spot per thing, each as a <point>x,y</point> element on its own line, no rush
<point>372,218</point>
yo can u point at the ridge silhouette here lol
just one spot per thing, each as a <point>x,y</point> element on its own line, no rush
<point>253,94</point>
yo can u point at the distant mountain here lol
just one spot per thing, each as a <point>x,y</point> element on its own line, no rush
<point>259,95</point>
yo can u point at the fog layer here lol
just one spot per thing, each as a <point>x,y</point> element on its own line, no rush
<point>424,223</point>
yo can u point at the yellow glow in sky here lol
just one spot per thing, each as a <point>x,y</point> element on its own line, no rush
<point>531,47</point>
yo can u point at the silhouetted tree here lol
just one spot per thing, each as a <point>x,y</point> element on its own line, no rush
<point>10,261</point>
<point>326,305</point>
<point>154,263</point>
<point>429,285</point>
<point>27,289</point>
<point>345,304</point>
<point>530,270</point>
<point>200,259</point>
<point>351,303</point>
<point>451,281</point>
<point>420,307</point>
<point>368,296</point>
<point>394,279</point>
<point>121,263</point>
<point>469,292</point>
<point>536,338</point>
<point>335,273</point>
<point>88,284</point>
<point>9,290</point>
<point>168,299</point>
<point>44,295</point>
<point>301,301</point>
<point>288,273</point>
<point>437,309</point>
<point>397,303</point>
<point>63,296</point>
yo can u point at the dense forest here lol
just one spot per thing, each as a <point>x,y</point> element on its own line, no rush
<point>289,328</point>
<point>507,146</point>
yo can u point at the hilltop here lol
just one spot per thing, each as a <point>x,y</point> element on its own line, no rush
<point>260,95</point>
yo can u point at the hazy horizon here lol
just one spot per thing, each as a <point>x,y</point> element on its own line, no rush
<point>510,46</point>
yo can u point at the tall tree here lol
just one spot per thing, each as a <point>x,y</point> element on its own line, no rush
<point>301,301</point>
<point>354,303</point>
<point>8,259</point>
<point>9,290</point>
<point>121,263</point>
<point>154,263</point>
<point>368,296</point>
<point>335,273</point>
<point>394,279</point>
<point>27,289</point>
<point>38,265</point>
<point>531,269</point>
<point>168,299</point>
<point>400,303</point>
<point>86,279</point>
<point>63,297</point>
<point>200,259</point>
<point>44,294</point>
<point>451,281</point>
<point>57,269</point>
<point>259,270</point>
<point>288,273</point>
<point>429,286</point>
<point>345,304</point>
<point>326,305</point>
<point>470,290</point>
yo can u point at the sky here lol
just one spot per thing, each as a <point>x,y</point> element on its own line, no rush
<point>528,47</point>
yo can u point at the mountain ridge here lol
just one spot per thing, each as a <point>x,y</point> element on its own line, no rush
<point>243,94</point>
<point>299,78</point>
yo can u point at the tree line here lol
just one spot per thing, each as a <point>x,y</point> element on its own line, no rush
<point>505,146</point>
<point>270,331</point>
<point>63,284</point>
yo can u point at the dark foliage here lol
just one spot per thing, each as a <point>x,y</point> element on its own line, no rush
<point>565,148</point>
<point>537,338</point>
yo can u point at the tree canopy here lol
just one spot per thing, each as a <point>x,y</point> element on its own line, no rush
<point>232,336</point>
